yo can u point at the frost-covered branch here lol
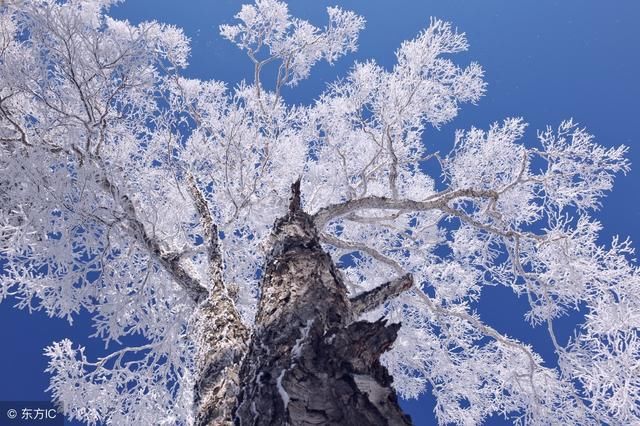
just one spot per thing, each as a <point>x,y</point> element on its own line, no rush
<point>438,201</point>
<point>100,135</point>
<point>114,389</point>
<point>169,261</point>
<point>295,42</point>
<point>350,245</point>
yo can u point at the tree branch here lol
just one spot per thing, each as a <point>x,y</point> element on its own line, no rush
<point>326,214</point>
<point>216,266</point>
<point>371,299</point>
<point>169,261</point>
<point>217,329</point>
<point>295,202</point>
<point>210,231</point>
<point>350,245</point>
<point>487,331</point>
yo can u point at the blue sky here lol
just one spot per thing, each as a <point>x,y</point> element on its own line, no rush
<point>545,60</point>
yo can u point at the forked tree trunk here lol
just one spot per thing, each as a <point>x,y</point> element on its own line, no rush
<point>309,362</point>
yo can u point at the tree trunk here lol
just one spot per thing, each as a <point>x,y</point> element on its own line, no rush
<point>308,361</point>
<point>218,333</point>
<point>222,342</point>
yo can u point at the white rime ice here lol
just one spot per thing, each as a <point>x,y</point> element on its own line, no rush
<point>103,143</point>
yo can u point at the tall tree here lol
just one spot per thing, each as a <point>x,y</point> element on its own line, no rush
<point>163,206</point>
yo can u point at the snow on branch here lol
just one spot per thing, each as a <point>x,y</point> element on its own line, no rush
<point>97,133</point>
<point>579,171</point>
<point>296,43</point>
<point>169,261</point>
<point>116,389</point>
<point>438,201</point>
<point>210,230</point>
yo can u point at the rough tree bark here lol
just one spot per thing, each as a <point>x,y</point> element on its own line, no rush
<point>219,334</point>
<point>309,360</point>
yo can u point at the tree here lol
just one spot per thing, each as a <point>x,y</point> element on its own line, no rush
<point>149,200</point>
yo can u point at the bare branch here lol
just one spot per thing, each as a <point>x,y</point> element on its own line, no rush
<point>294,202</point>
<point>371,299</point>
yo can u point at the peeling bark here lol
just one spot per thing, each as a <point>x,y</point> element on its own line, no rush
<point>308,362</point>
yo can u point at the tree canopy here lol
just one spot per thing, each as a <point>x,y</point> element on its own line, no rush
<point>114,167</point>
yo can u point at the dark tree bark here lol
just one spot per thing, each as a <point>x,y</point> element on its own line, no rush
<point>309,361</point>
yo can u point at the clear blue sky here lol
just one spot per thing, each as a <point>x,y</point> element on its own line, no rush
<point>545,60</point>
